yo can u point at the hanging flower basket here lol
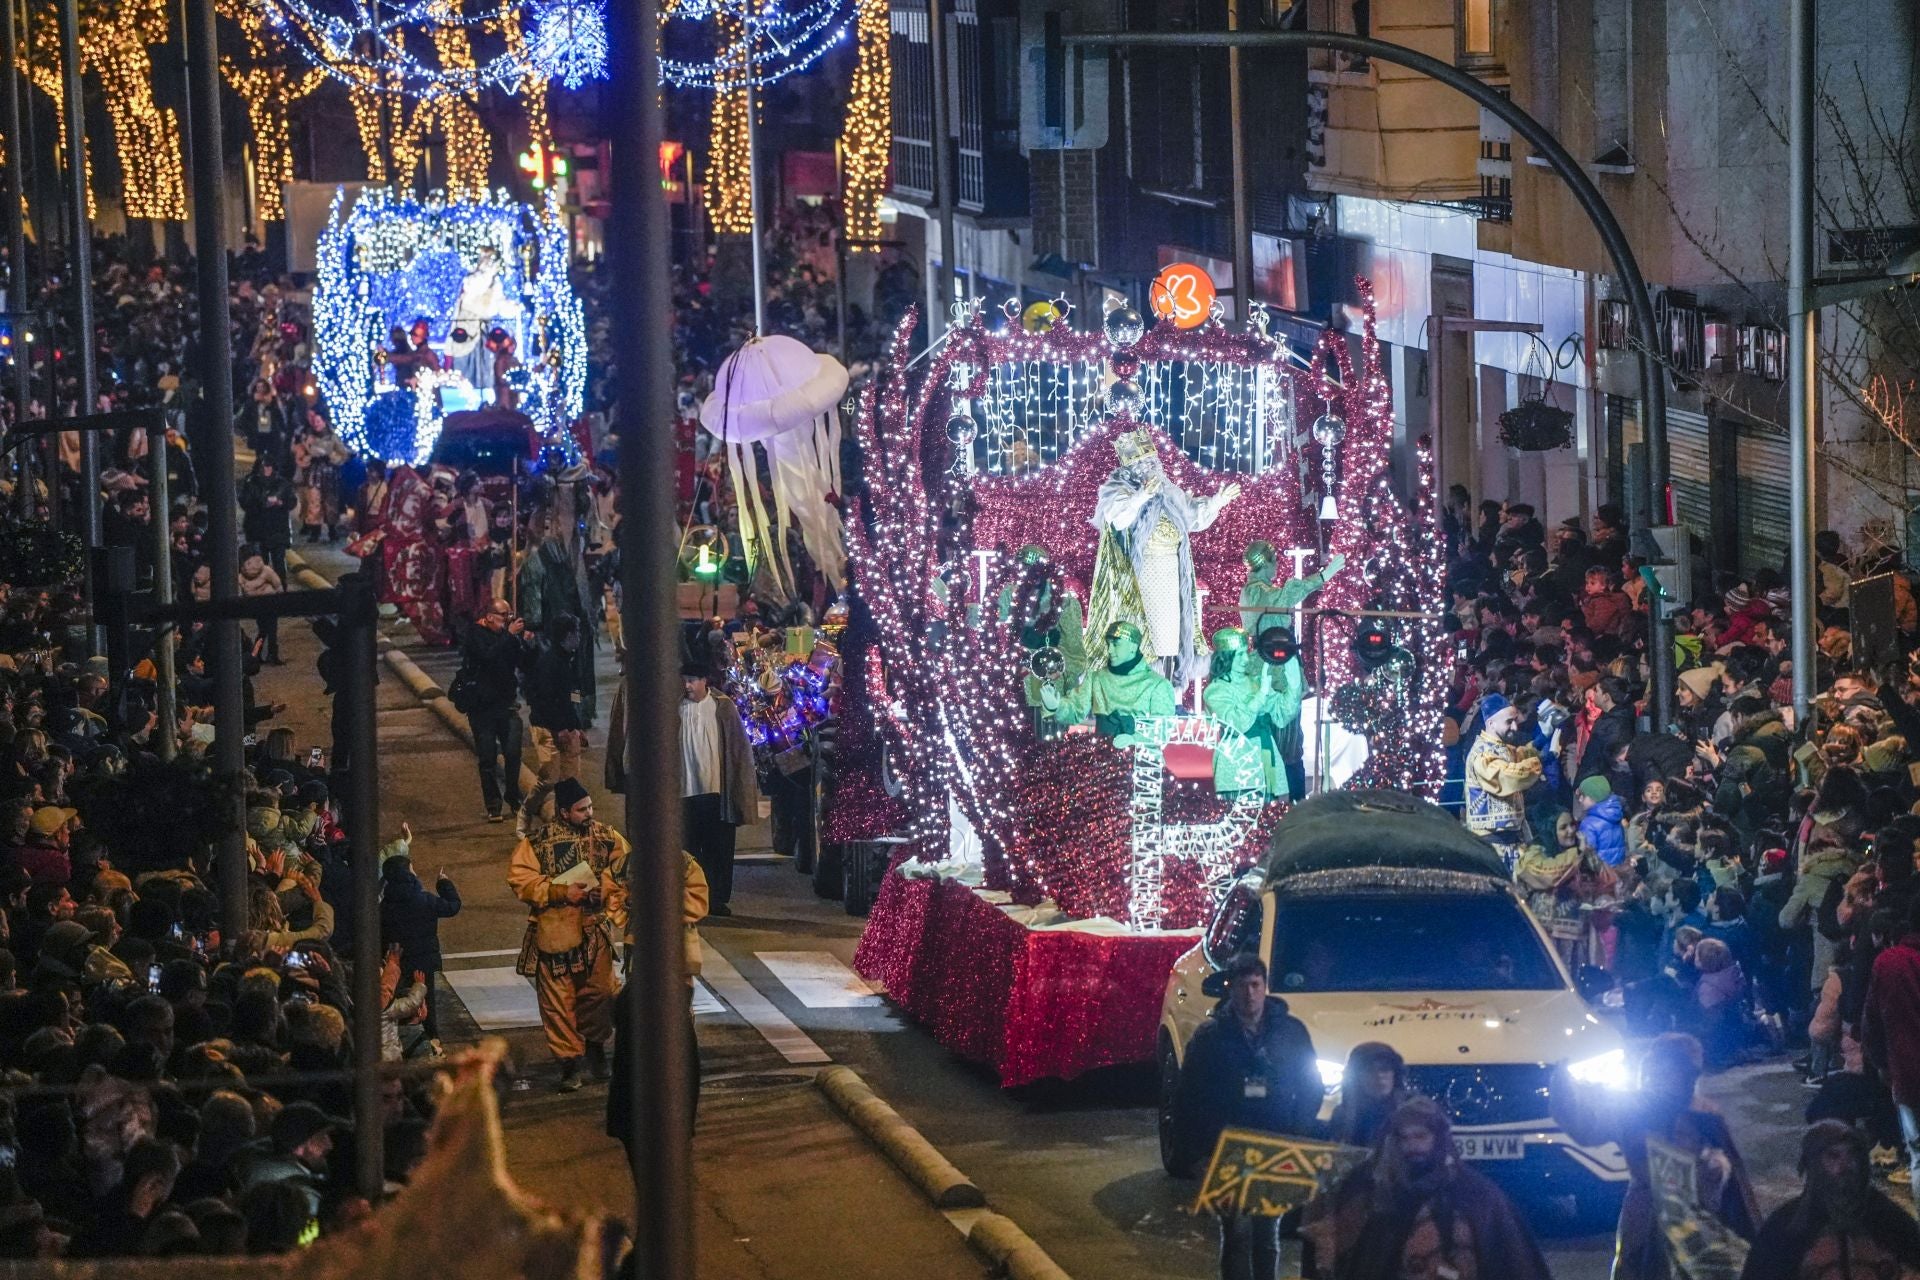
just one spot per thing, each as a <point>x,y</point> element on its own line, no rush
<point>1534,426</point>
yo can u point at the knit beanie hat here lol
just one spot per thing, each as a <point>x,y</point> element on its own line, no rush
<point>1699,681</point>
<point>1596,788</point>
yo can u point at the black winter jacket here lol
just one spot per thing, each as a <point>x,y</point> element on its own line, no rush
<point>1221,1063</point>
<point>494,659</point>
<point>410,916</point>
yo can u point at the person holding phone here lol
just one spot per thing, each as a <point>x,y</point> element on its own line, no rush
<point>410,916</point>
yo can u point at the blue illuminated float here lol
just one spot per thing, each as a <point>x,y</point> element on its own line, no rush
<point>485,281</point>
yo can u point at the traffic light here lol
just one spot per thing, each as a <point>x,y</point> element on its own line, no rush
<point>542,166</point>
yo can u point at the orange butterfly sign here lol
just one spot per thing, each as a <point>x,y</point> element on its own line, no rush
<point>1182,293</point>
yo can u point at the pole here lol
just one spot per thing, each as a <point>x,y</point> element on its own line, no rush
<point>840,287</point>
<point>363,834</point>
<point>1802,317</point>
<point>17,288</point>
<point>1653,391</point>
<point>1237,141</point>
<point>215,445</point>
<point>655,1070</point>
<point>937,317</point>
<point>755,211</point>
<point>81,251</point>
<point>166,726</point>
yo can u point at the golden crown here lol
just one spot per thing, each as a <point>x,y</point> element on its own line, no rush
<point>1133,446</point>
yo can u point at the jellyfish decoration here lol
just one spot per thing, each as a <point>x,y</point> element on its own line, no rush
<point>780,395</point>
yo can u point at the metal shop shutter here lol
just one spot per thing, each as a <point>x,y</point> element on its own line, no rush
<point>1689,473</point>
<point>1763,506</point>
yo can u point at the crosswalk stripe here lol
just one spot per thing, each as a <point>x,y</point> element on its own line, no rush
<point>775,1027</point>
<point>503,1000</point>
<point>818,979</point>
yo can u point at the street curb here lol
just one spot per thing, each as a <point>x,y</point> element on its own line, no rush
<point>305,574</point>
<point>424,686</point>
<point>435,699</point>
<point>899,1141</point>
<point>1011,1251</point>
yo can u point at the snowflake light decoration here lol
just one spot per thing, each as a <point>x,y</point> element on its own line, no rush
<point>569,42</point>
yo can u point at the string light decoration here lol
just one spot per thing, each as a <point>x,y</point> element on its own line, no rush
<point>866,137</point>
<point>469,144</point>
<point>46,71</point>
<point>729,191</point>
<point>269,84</point>
<point>376,49</point>
<point>114,36</point>
<point>1099,830</point>
<point>392,259</point>
<point>750,41</point>
<point>533,89</point>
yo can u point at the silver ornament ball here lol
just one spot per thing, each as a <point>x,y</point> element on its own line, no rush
<point>1125,326</point>
<point>1047,663</point>
<point>1125,396</point>
<point>1328,430</point>
<point>961,429</point>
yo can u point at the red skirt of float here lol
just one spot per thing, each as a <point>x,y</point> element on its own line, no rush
<point>1031,1003</point>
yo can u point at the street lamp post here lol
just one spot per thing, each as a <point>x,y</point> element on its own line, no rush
<point>1653,394</point>
<point>17,248</point>
<point>215,445</point>
<point>654,1067</point>
<point>81,251</point>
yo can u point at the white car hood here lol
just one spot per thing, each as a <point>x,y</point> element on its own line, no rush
<point>1450,1028</point>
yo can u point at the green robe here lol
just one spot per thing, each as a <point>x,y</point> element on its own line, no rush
<point>1114,698</point>
<point>1265,603</point>
<point>1261,704</point>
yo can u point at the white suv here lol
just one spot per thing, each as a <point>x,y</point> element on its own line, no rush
<point>1381,919</point>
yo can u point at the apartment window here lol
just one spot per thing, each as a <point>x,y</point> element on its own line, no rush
<point>1613,82</point>
<point>1478,33</point>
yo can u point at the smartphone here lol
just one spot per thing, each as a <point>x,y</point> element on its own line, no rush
<point>296,960</point>
<point>177,932</point>
<point>316,759</point>
<point>153,978</point>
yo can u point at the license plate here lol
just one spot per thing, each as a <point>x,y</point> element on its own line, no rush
<point>1490,1146</point>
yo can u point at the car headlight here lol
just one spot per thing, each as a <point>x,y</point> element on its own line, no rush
<point>1608,1070</point>
<point>1331,1073</point>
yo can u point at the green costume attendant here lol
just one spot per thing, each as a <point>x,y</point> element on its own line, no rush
<point>1116,693</point>
<point>1259,700</point>
<point>1265,603</point>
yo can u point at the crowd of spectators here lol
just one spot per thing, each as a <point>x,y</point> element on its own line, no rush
<point>174,1081</point>
<point>1734,875</point>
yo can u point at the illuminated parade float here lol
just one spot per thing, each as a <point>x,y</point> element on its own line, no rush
<point>1117,595</point>
<point>427,308</point>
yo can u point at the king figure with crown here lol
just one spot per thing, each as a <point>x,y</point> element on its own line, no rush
<point>1143,571</point>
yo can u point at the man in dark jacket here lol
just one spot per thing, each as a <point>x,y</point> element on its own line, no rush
<point>410,918</point>
<point>1840,1225</point>
<point>267,499</point>
<point>1251,1065</point>
<point>1612,731</point>
<point>555,701</point>
<point>495,650</point>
